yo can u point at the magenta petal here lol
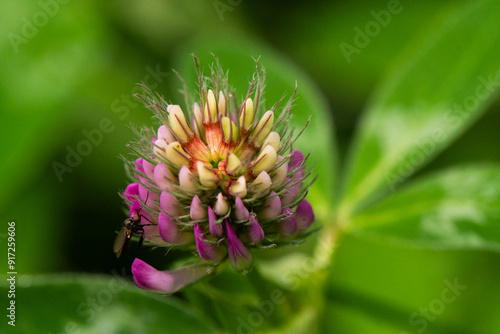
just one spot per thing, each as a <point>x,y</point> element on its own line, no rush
<point>304,214</point>
<point>255,231</point>
<point>294,186</point>
<point>148,278</point>
<point>288,225</point>
<point>271,207</point>
<point>138,164</point>
<point>296,160</point>
<point>167,227</point>
<point>239,255</point>
<point>207,251</point>
<point>162,176</point>
<point>148,169</point>
<point>169,203</point>
<point>197,210</point>
<point>131,192</point>
<point>240,211</point>
<point>215,228</point>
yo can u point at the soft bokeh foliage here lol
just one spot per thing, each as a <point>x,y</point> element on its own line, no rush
<point>68,80</point>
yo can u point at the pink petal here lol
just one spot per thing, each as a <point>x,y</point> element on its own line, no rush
<point>255,231</point>
<point>148,278</point>
<point>288,226</point>
<point>240,211</point>
<point>271,207</point>
<point>131,192</point>
<point>197,210</point>
<point>163,176</point>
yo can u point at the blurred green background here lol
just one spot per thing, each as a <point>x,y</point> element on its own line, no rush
<point>78,66</point>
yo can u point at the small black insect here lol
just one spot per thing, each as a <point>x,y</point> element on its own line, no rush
<point>130,226</point>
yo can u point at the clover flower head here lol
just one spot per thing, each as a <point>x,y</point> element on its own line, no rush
<point>220,180</point>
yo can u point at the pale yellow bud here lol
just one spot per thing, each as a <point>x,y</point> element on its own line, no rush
<point>247,114</point>
<point>207,176</point>
<point>238,187</point>
<point>265,160</point>
<point>229,130</point>
<point>263,128</point>
<point>221,206</point>
<point>210,112</point>
<point>274,140</point>
<point>222,104</point>
<point>176,155</point>
<point>261,185</point>
<point>178,123</point>
<point>234,165</point>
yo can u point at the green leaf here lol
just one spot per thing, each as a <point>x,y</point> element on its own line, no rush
<point>235,55</point>
<point>457,208</point>
<point>442,86</point>
<point>97,304</point>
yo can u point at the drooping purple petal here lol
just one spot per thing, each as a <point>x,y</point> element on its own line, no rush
<point>169,281</point>
<point>207,251</point>
<point>239,255</point>
<point>288,226</point>
<point>255,231</point>
<point>241,212</point>
<point>197,210</point>
<point>304,214</point>
<point>271,207</point>
<point>216,229</point>
<point>131,192</point>
<point>163,176</point>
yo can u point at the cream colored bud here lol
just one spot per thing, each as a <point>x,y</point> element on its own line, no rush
<point>160,147</point>
<point>198,117</point>
<point>187,181</point>
<point>221,206</point>
<point>229,130</point>
<point>207,176</point>
<point>178,123</point>
<point>278,176</point>
<point>165,134</point>
<point>274,140</point>
<point>263,128</point>
<point>210,112</point>
<point>176,155</point>
<point>265,160</point>
<point>222,104</point>
<point>234,166</point>
<point>238,187</point>
<point>247,115</point>
<point>261,185</point>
